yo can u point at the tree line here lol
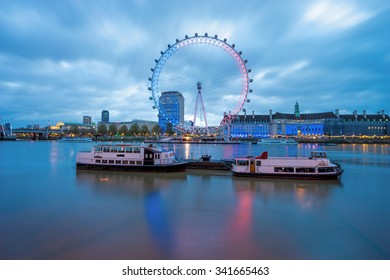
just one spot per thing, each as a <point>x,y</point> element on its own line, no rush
<point>134,130</point>
<point>123,130</point>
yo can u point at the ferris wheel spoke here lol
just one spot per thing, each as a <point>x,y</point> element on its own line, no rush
<point>211,76</point>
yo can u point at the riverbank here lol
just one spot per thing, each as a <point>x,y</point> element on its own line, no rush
<point>346,140</point>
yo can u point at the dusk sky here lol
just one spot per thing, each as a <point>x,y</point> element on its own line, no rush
<point>61,60</point>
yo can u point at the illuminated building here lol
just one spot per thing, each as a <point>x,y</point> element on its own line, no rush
<point>308,125</point>
<point>172,103</point>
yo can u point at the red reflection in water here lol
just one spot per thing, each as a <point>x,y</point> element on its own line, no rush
<point>240,227</point>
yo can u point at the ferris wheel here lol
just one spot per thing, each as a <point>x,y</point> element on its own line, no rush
<point>210,76</point>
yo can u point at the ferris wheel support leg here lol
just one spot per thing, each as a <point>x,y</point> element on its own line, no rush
<point>196,109</point>
<point>204,112</point>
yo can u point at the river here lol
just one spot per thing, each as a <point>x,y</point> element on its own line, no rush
<point>48,210</point>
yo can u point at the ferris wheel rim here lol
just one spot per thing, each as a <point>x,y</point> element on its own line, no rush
<point>201,39</point>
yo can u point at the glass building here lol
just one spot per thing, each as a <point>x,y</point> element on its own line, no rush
<point>105,116</point>
<point>172,103</point>
<point>87,120</point>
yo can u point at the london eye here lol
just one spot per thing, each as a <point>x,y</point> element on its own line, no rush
<point>212,77</point>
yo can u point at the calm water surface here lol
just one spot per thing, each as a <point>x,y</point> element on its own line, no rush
<point>48,210</point>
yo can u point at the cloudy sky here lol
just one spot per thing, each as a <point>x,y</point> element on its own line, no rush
<point>60,60</point>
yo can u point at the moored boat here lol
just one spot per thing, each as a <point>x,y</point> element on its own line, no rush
<point>316,167</point>
<point>75,139</point>
<point>149,158</point>
<point>282,141</point>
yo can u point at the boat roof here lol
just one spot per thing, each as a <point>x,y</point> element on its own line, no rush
<point>264,155</point>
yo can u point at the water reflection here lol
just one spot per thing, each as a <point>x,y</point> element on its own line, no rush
<point>127,182</point>
<point>307,193</point>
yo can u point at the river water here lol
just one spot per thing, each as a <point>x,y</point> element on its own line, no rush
<point>48,210</point>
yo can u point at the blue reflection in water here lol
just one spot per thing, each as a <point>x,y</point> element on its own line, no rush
<point>158,220</point>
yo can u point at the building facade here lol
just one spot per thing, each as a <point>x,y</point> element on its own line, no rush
<point>172,108</point>
<point>105,116</point>
<point>87,120</point>
<point>308,125</point>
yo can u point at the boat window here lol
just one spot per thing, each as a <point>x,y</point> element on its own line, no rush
<point>129,150</point>
<point>118,162</point>
<point>104,161</point>
<point>132,162</point>
<point>284,169</point>
<point>325,169</point>
<point>125,162</point>
<point>114,149</point>
<point>97,161</point>
<point>242,162</point>
<point>137,150</point>
<point>98,149</point>
<point>106,149</point>
<point>258,163</point>
<point>121,149</point>
<point>318,154</point>
<point>110,161</point>
<point>305,170</point>
<point>139,162</point>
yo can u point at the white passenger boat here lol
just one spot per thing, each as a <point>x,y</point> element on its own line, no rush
<point>129,158</point>
<point>75,139</point>
<point>282,141</point>
<point>317,166</point>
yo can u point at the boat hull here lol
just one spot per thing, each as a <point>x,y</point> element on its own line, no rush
<point>315,176</point>
<point>176,167</point>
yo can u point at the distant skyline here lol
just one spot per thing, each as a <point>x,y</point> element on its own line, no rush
<point>61,60</point>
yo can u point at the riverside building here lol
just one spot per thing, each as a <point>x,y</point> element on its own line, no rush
<point>308,125</point>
